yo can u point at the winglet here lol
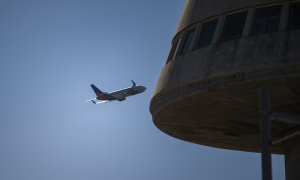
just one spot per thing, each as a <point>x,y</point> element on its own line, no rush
<point>133,84</point>
<point>93,101</point>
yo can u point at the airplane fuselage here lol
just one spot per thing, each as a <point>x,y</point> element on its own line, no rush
<point>123,93</point>
<point>119,95</point>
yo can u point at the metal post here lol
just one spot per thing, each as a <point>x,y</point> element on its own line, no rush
<point>265,133</point>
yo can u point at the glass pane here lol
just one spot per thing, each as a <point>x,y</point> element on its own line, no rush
<point>272,25</point>
<point>173,50</point>
<point>266,20</point>
<point>234,25</point>
<point>207,33</point>
<point>187,45</point>
<point>294,21</point>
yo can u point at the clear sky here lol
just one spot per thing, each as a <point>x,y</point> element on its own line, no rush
<point>51,51</point>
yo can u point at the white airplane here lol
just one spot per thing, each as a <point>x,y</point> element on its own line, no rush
<point>120,95</point>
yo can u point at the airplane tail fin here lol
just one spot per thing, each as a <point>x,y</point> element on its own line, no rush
<point>97,91</point>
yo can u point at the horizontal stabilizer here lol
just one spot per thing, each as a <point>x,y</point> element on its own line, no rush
<point>100,102</point>
<point>94,101</point>
<point>90,99</point>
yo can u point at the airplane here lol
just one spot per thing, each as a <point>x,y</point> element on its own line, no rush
<point>120,95</point>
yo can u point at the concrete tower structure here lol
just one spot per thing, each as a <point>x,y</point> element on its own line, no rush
<point>222,53</point>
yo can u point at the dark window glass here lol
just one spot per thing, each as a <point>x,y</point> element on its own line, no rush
<point>173,50</point>
<point>294,20</point>
<point>207,33</point>
<point>266,20</point>
<point>234,25</point>
<point>187,45</point>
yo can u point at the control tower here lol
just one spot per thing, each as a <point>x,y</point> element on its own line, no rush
<point>222,53</point>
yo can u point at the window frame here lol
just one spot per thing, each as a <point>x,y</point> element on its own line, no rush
<point>201,32</point>
<point>245,12</point>
<point>174,49</point>
<point>188,39</point>
<point>266,20</point>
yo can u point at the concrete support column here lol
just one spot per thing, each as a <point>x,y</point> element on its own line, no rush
<point>265,134</point>
<point>284,17</point>
<point>292,158</point>
<point>248,23</point>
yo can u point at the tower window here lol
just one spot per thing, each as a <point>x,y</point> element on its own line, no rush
<point>207,33</point>
<point>266,20</point>
<point>294,20</point>
<point>174,50</point>
<point>187,44</point>
<point>234,25</point>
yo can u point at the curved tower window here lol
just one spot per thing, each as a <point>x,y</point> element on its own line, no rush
<point>187,44</point>
<point>266,20</point>
<point>234,25</point>
<point>207,33</point>
<point>294,20</point>
<point>174,49</point>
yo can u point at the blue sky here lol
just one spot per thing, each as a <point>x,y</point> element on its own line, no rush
<point>50,51</point>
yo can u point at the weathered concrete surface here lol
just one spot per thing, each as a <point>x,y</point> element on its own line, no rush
<point>292,158</point>
<point>248,54</point>
<point>225,116</point>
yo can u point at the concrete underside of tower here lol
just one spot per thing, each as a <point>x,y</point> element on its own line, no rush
<point>223,115</point>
